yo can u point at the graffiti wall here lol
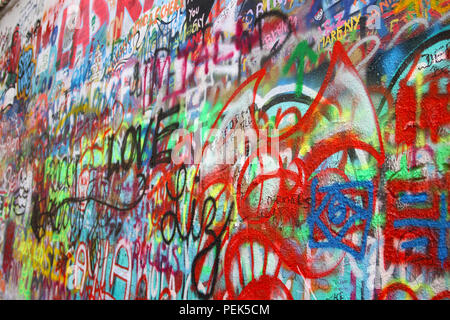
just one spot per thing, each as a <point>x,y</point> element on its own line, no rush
<point>225,149</point>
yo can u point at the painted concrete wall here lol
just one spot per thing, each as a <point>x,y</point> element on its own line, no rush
<point>201,149</point>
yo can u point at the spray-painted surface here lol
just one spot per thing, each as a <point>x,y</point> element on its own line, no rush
<point>116,116</point>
